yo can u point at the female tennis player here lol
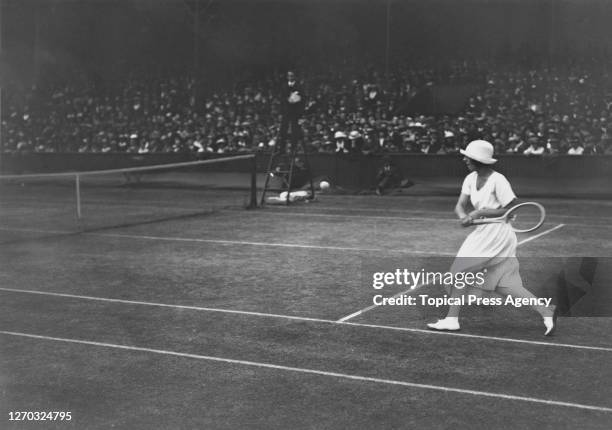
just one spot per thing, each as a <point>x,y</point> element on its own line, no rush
<point>490,248</point>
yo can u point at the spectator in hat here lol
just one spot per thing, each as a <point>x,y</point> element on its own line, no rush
<point>356,141</point>
<point>341,142</point>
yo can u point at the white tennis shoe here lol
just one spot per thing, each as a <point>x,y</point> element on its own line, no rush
<point>551,323</point>
<point>447,324</point>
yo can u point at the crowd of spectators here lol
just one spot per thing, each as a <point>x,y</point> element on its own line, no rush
<point>560,109</point>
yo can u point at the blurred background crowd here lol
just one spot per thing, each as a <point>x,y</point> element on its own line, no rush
<point>395,77</point>
<point>521,110</point>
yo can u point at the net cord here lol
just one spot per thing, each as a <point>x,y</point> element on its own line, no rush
<point>77,175</point>
<point>127,169</point>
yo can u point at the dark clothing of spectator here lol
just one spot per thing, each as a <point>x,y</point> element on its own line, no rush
<point>388,177</point>
<point>292,108</point>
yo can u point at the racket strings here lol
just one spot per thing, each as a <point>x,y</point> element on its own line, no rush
<point>526,218</point>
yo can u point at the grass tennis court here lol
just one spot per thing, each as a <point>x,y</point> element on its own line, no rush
<point>228,318</point>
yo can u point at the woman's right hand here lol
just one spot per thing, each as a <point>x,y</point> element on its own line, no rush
<point>466,221</point>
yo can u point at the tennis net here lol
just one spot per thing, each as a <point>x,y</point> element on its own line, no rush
<point>86,200</point>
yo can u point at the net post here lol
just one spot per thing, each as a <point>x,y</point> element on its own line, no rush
<point>77,183</point>
<point>253,168</point>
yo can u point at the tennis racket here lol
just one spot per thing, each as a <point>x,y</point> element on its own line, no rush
<point>524,217</point>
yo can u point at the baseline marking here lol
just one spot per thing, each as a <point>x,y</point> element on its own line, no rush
<point>315,372</point>
<point>416,287</point>
<point>318,320</point>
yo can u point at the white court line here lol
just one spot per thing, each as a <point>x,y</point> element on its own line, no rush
<point>315,372</point>
<point>318,320</point>
<point>550,230</point>
<point>271,244</point>
<point>345,216</point>
<point>416,287</point>
<point>448,201</point>
<point>426,217</point>
<point>163,305</point>
<point>369,308</point>
<point>445,212</point>
<point>283,245</point>
<point>235,242</point>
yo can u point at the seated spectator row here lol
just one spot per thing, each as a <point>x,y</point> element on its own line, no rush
<point>561,109</point>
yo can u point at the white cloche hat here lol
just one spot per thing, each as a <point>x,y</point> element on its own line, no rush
<point>479,150</point>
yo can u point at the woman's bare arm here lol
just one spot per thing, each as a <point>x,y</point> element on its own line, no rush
<point>461,210</point>
<point>492,213</point>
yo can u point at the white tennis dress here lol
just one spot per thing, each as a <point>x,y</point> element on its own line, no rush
<point>490,246</point>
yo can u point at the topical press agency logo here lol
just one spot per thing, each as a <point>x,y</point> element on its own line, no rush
<point>463,300</point>
<point>578,286</point>
<point>412,280</point>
